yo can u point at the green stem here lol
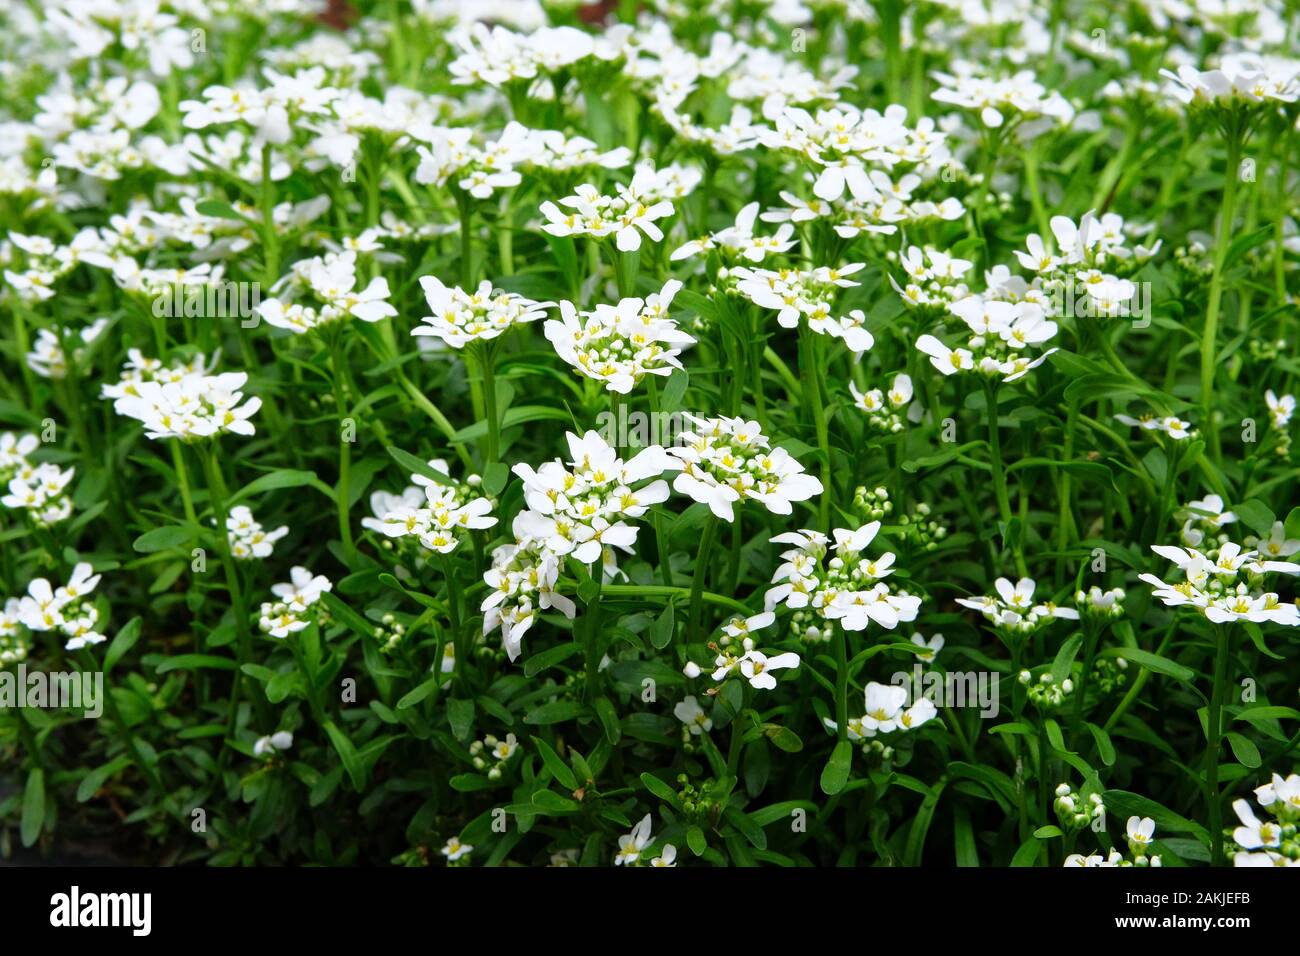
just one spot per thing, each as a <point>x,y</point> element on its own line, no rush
<point>485,354</point>
<point>183,479</point>
<point>841,683</point>
<point>1214,721</point>
<point>698,573</point>
<point>809,369</point>
<point>999,474</point>
<point>342,497</point>
<point>1210,335</point>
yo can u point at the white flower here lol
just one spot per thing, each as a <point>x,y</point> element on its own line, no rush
<point>690,713</point>
<point>273,743</point>
<point>631,844</point>
<point>460,317</point>
<point>453,850</point>
<point>619,345</point>
<point>667,856</point>
<point>1280,409</point>
<point>728,460</point>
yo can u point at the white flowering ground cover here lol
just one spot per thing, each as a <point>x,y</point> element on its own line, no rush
<point>668,433</point>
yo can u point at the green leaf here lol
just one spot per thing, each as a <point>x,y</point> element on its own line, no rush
<point>219,209</point>
<point>413,697</point>
<point>836,772</point>
<point>660,789</point>
<point>1152,662</point>
<point>283,478</point>
<point>495,477</point>
<point>33,818</point>
<point>418,466</point>
<point>558,768</point>
<point>460,715</point>
<point>674,391</point>
<point>1244,750</point>
<point>93,781</point>
<point>195,662</point>
<point>750,830</point>
<point>695,840</point>
<point>1065,658</point>
<point>340,610</point>
<point>783,738</point>
<point>519,415</point>
<point>122,643</point>
<point>165,538</point>
<point>1105,749</point>
<point>662,633</point>
<point>552,802</point>
<point>1256,516</point>
<point>549,658</point>
<point>1028,853</point>
<point>347,754</point>
<point>556,712</point>
<point>608,719</point>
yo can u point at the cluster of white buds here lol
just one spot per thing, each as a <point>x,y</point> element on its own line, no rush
<point>1046,693</point>
<point>1100,604</point>
<point>1076,812</point>
<point>389,633</point>
<point>491,754</point>
<point>923,531</point>
<point>872,503</point>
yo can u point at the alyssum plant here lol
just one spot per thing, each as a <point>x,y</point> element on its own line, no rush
<point>521,433</point>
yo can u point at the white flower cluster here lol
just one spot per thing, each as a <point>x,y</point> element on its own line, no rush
<point>807,293</point>
<point>491,754</point>
<point>67,609</point>
<point>1244,79</point>
<point>632,210</point>
<point>840,583</point>
<point>1000,331</point>
<point>729,460</point>
<point>451,153</point>
<point>1013,609</point>
<point>1273,842</point>
<point>290,613</point>
<point>1019,97</point>
<point>461,317</point>
<point>884,408</point>
<point>499,56</point>
<point>1140,832</point>
<point>47,358</point>
<point>1210,584</point>
<point>249,541</point>
<point>1170,425</point>
<point>579,510</point>
<point>331,279</point>
<point>182,402</point>
<point>620,344</point>
<point>437,514</point>
<point>887,711</point>
<point>40,490</point>
<point>739,241</point>
<point>850,146</point>
<point>752,665</point>
<point>1075,267</point>
<point>935,279</point>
